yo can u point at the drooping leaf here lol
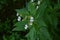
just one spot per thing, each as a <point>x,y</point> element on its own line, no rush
<point>19,26</point>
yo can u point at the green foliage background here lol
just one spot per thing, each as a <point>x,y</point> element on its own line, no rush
<point>46,25</point>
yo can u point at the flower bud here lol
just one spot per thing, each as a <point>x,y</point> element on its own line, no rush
<point>32,0</point>
<point>26,26</point>
<point>17,14</point>
<point>31,18</point>
<point>38,2</point>
<point>37,7</point>
<point>19,18</point>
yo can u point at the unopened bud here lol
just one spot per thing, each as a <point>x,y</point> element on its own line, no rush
<point>38,2</point>
<point>26,26</point>
<point>19,18</point>
<point>37,7</point>
<point>17,14</point>
<point>32,0</point>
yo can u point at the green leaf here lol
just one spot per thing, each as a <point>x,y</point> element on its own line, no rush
<point>32,34</point>
<point>22,12</point>
<point>12,37</point>
<point>31,8</point>
<point>41,10</point>
<point>19,26</point>
<point>44,34</point>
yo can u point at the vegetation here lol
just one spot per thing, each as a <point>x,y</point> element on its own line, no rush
<point>29,19</point>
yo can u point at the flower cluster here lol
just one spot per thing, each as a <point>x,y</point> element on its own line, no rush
<point>19,17</point>
<point>31,20</point>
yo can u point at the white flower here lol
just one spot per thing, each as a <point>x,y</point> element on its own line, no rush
<point>26,26</point>
<point>32,0</point>
<point>37,7</point>
<point>19,18</point>
<point>31,20</point>
<point>17,14</point>
<point>38,2</point>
